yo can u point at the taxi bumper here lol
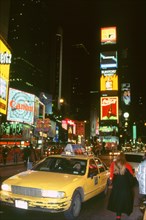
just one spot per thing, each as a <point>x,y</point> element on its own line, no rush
<point>38,204</point>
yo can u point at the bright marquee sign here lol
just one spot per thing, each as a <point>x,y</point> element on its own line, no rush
<point>20,106</point>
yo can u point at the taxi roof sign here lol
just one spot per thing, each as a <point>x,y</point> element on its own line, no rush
<point>73,149</point>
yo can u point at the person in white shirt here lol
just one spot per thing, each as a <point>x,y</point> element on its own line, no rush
<point>141,177</point>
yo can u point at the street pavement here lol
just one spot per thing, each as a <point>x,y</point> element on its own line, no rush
<point>103,213</point>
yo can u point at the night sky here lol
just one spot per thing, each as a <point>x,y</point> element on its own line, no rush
<point>81,21</point>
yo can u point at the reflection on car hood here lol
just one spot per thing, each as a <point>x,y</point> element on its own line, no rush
<point>40,179</point>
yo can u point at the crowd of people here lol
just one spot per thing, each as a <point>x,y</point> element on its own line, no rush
<point>16,154</point>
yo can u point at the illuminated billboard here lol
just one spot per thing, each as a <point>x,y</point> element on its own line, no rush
<point>108,130</point>
<point>108,60</point>
<point>46,99</point>
<point>5,61</point>
<point>39,109</point>
<point>125,94</point>
<point>109,108</point>
<point>109,82</point>
<point>108,72</point>
<point>20,106</point>
<point>108,35</point>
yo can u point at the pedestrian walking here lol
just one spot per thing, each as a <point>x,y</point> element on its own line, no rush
<point>16,152</point>
<point>32,158</point>
<point>26,155</point>
<point>141,177</point>
<point>121,198</point>
<point>4,154</point>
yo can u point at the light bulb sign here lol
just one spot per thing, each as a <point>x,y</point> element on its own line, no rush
<point>20,106</point>
<point>5,61</point>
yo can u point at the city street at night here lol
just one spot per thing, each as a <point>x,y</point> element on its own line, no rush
<point>94,209</point>
<point>72,109</point>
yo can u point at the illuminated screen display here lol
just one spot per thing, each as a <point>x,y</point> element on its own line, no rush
<point>111,141</point>
<point>108,35</point>
<point>125,94</point>
<point>109,82</point>
<point>5,61</point>
<point>108,130</point>
<point>108,60</point>
<point>109,108</point>
<point>20,106</point>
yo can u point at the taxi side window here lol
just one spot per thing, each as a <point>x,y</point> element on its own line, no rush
<point>101,166</point>
<point>93,169</point>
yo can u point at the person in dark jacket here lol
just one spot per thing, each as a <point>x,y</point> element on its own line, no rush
<point>32,158</point>
<point>121,198</point>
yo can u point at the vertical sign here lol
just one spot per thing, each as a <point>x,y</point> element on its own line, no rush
<point>5,61</point>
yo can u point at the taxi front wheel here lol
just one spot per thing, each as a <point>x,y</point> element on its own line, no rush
<point>73,212</point>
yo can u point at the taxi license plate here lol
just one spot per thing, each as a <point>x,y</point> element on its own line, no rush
<point>21,204</point>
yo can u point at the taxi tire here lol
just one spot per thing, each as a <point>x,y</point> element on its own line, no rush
<point>75,207</point>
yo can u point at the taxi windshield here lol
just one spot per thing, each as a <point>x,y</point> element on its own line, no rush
<point>62,165</point>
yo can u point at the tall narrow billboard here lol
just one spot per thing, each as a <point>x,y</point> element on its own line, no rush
<point>125,94</point>
<point>5,61</point>
<point>46,99</point>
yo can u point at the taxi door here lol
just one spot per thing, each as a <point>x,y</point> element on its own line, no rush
<point>93,180</point>
<point>104,174</point>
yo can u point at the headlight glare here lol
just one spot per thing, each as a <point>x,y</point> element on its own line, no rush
<point>6,187</point>
<point>53,194</point>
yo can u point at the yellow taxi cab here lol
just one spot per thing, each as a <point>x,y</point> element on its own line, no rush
<point>58,183</point>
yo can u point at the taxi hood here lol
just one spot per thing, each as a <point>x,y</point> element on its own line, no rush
<point>43,180</point>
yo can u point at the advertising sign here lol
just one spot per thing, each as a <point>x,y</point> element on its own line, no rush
<point>108,60</point>
<point>46,99</point>
<point>109,108</point>
<point>43,125</point>
<point>108,35</point>
<point>5,61</point>
<point>108,72</point>
<point>108,130</point>
<point>125,94</point>
<point>20,106</point>
<point>109,82</point>
<point>69,125</point>
<point>80,128</point>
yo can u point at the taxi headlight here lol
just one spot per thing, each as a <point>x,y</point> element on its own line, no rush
<point>6,187</point>
<point>53,194</point>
